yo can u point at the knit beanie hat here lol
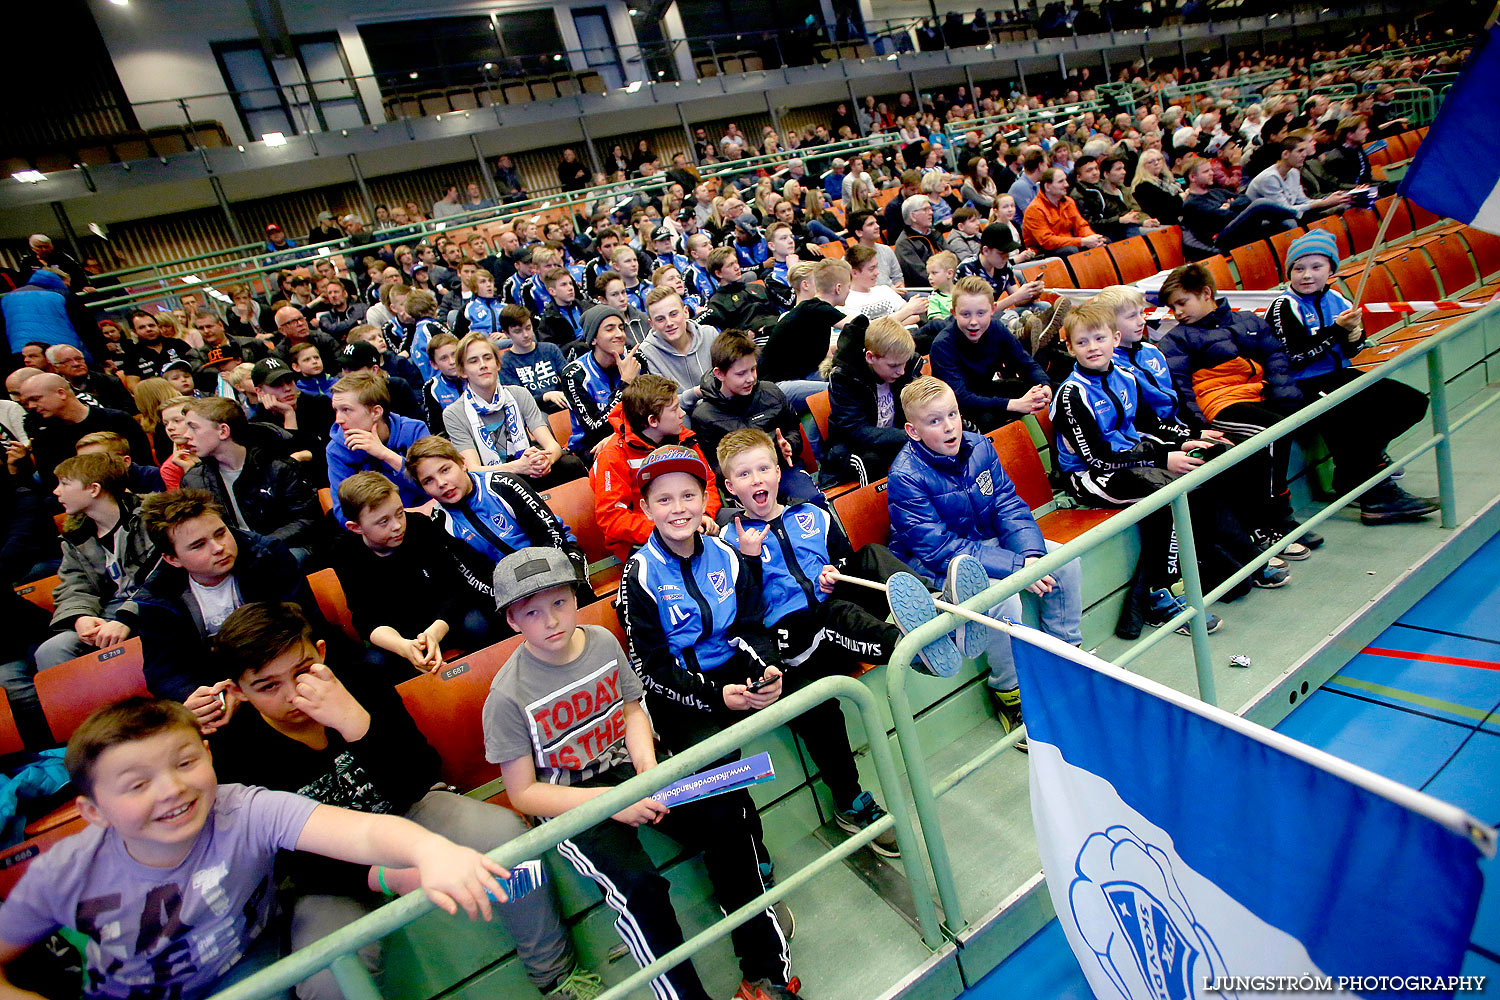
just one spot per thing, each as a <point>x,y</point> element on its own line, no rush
<point>595,317</point>
<point>1312,242</point>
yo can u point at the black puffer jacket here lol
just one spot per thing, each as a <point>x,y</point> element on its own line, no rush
<point>854,408</point>
<point>765,409</point>
<point>271,493</point>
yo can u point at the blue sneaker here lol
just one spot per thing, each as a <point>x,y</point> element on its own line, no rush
<point>967,579</point>
<point>1162,606</point>
<point>911,606</point>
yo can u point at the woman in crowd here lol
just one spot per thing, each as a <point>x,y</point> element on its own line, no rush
<point>1156,190</point>
<point>979,187</point>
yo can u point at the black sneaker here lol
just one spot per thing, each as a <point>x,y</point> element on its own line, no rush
<point>861,814</point>
<point>1265,538</point>
<point>1311,539</point>
<point>785,918</point>
<point>1388,503</point>
<point>1271,577</point>
<point>1162,606</point>
<point>1008,704</point>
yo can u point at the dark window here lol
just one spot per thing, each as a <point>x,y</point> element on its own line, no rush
<point>312,91</point>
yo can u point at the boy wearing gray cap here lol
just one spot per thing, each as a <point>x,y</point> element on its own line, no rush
<point>564,721</point>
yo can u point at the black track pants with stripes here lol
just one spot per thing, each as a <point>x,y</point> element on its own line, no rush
<point>719,827</point>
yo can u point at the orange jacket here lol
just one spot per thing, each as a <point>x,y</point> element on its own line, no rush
<point>1047,226</point>
<point>617,497</point>
<point>1239,380</point>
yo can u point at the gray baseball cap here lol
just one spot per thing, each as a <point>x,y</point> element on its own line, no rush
<point>531,571</point>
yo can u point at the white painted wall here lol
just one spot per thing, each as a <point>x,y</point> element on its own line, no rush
<point>162,48</point>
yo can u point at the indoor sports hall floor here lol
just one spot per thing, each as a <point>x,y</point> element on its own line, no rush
<point>1421,705</point>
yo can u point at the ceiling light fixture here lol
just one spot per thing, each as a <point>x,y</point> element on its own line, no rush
<point>274,139</point>
<point>29,176</point>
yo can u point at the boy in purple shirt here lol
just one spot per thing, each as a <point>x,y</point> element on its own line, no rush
<point>172,883</point>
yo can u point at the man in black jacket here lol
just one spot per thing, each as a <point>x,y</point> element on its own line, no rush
<point>918,240</point>
<point>1215,220</point>
<point>261,493</point>
<point>298,728</point>
<point>306,416</point>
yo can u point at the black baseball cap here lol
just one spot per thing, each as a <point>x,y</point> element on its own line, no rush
<point>271,371</point>
<point>997,236</point>
<point>177,363</point>
<point>662,233</point>
<point>357,355</point>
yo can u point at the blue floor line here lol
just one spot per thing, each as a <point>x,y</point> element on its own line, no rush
<point>1445,753</point>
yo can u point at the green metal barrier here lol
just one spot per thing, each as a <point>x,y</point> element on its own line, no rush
<point>926,791</point>
<point>248,267</point>
<point>1408,52</point>
<point>337,950</point>
<point>1016,121</point>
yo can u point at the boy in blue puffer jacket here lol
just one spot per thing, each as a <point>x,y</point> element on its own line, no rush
<point>950,499</point>
<point>1322,334</point>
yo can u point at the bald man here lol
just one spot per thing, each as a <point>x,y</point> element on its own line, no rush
<point>61,418</point>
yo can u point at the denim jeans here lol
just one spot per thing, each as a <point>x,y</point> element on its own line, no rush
<point>796,392</point>
<point>1257,220</point>
<point>820,233</point>
<point>1061,614</point>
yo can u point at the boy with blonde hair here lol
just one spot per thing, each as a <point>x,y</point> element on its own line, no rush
<point>940,270</point>
<point>957,520</point>
<point>991,375</point>
<point>865,418</point>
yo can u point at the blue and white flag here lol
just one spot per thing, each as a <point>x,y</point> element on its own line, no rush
<point>1191,853</point>
<point>1456,172</point>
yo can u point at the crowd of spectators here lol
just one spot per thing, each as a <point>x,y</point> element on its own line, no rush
<point>662,339</point>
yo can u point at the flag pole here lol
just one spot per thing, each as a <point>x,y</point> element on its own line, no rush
<point>1364,274</point>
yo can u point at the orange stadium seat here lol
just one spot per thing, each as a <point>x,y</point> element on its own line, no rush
<point>1093,268</point>
<point>1486,250</point>
<point>1023,465</point>
<point>1363,225</point>
<point>1420,217</point>
<point>1218,266</point>
<point>561,425</point>
<point>1335,225</point>
<point>1450,257</point>
<point>1415,277</point>
<point>39,592</point>
<point>573,503</point>
<point>447,707</point>
<point>1166,245</point>
<point>1279,244</point>
<point>1256,264</point>
<point>1133,259</point>
<point>1052,271</point>
<point>864,515</point>
<point>1400,218</point>
<point>329,594</point>
<point>70,691</point>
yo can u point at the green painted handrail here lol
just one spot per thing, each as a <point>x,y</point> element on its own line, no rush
<point>925,791</point>
<point>246,268</point>
<point>337,949</point>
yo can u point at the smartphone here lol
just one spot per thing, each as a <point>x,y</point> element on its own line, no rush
<point>761,684</point>
<point>1213,451</point>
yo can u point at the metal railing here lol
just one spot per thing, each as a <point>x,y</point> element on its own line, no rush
<point>1386,55</point>
<point>926,791</point>
<point>249,262</point>
<point>338,949</point>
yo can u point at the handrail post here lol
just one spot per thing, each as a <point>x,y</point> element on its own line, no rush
<point>354,980</point>
<point>1437,388</point>
<point>924,800</point>
<point>1192,583</point>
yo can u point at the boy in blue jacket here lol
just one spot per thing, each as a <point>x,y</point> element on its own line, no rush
<point>991,375</point>
<point>1322,334</point>
<point>951,501</point>
<point>367,437</point>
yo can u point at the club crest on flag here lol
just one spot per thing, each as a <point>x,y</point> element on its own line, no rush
<point>1130,909</point>
<point>719,580</point>
<point>986,483</point>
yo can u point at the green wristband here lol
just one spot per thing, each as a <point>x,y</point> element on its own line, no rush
<point>380,878</point>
